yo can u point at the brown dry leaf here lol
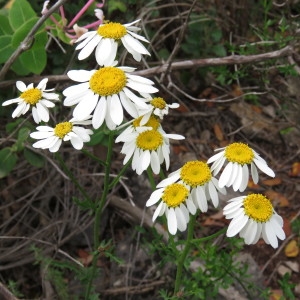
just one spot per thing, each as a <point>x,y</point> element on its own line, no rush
<point>84,257</point>
<point>295,170</point>
<point>291,249</point>
<point>252,185</point>
<point>218,132</point>
<point>272,182</point>
<point>179,149</point>
<point>256,109</point>
<point>236,91</point>
<point>277,198</point>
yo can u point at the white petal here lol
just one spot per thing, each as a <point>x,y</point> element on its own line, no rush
<point>80,75</point>
<point>264,168</point>
<point>181,222</point>
<point>236,225</point>
<point>199,194</point>
<point>87,36</point>
<point>42,84</point>
<point>128,105</point>
<point>154,198</point>
<point>245,178</point>
<point>116,110</point>
<point>155,165</point>
<point>138,101</point>
<point>215,157</point>
<point>191,206</point>
<point>238,179</point>
<point>76,142</point>
<point>213,194</point>
<point>42,112</point>
<point>19,109</point>
<point>21,86</point>
<point>254,173</point>
<point>56,146</point>
<point>157,211</point>
<point>86,106</point>
<point>226,175</point>
<point>41,134</point>
<point>89,48</point>
<point>169,180</point>
<point>268,232</point>
<point>131,43</point>
<point>99,113</point>
<point>172,222</point>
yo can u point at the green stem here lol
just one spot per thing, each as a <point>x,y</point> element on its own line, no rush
<point>151,178</point>
<point>184,254</point>
<point>116,180</point>
<point>207,238</point>
<point>98,212</point>
<point>71,176</point>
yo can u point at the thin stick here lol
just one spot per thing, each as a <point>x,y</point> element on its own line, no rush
<point>184,64</point>
<point>25,45</point>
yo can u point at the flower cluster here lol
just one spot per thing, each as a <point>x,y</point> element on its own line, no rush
<point>108,95</point>
<point>192,186</point>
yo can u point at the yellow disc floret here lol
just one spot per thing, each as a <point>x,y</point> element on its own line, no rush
<point>32,96</point>
<point>175,194</point>
<point>108,81</point>
<point>112,31</point>
<point>152,122</point>
<point>239,153</point>
<point>195,173</point>
<point>158,102</point>
<point>149,140</point>
<point>61,129</point>
<point>258,207</point>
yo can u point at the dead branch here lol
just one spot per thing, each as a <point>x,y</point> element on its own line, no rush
<point>184,64</point>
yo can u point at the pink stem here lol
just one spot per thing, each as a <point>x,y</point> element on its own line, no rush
<point>80,13</point>
<point>62,12</point>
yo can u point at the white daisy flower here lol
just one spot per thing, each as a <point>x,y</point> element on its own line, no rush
<point>51,138</point>
<point>147,147</point>
<point>236,173</point>
<point>197,176</point>
<point>157,107</point>
<point>106,91</point>
<point>135,126</point>
<point>38,98</point>
<point>105,39</point>
<point>253,217</point>
<point>176,204</point>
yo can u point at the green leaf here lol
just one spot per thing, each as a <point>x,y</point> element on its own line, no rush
<point>20,13</point>
<point>34,60</point>
<point>40,40</point>
<point>19,68</point>
<point>8,160</point>
<point>6,49</point>
<point>5,28</point>
<point>22,137</point>
<point>22,31</point>
<point>11,126</point>
<point>98,138</point>
<point>33,158</point>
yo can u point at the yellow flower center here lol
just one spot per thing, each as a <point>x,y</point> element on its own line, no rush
<point>108,81</point>
<point>149,140</point>
<point>158,102</point>
<point>239,153</point>
<point>152,122</point>
<point>258,207</point>
<point>61,129</point>
<point>195,173</point>
<point>32,96</point>
<point>174,194</point>
<point>112,31</point>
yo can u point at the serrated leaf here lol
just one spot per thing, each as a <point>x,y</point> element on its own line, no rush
<point>5,28</point>
<point>8,160</point>
<point>34,60</point>
<point>22,32</point>
<point>20,12</point>
<point>33,158</point>
<point>6,49</point>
